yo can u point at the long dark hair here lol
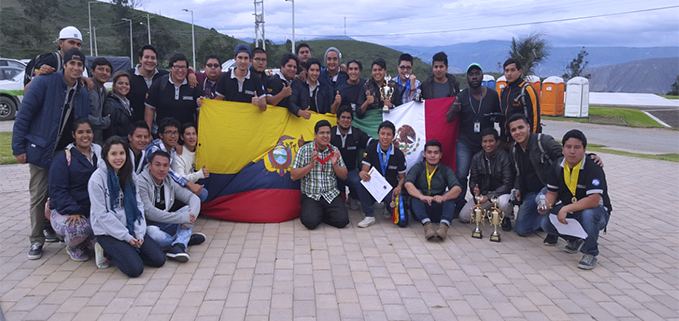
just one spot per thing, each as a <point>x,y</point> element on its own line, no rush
<point>125,172</point>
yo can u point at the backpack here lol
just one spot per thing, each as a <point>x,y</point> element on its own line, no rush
<point>522,97</point>
<point>34,65</point>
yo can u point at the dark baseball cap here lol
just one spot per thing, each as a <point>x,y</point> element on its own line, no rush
<point>242,48</point>
<point>74,54</point>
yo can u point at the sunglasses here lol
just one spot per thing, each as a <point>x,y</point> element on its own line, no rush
<point>212,65</point>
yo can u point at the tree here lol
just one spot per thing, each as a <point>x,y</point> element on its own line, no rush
<point>675,88</point>
<point>576,67</point>
<point>530,51</point>
<point>39,12</point>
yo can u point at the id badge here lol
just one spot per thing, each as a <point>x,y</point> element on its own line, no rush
<point>477,127</point>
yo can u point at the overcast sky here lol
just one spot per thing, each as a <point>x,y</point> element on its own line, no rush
<point>437,23</point>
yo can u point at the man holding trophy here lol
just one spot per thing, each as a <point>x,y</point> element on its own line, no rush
<point>378,92</point>
<point>577,189</point>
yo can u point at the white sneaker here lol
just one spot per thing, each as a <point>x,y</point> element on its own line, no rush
<point>99,257</point>
<point>367,221</point>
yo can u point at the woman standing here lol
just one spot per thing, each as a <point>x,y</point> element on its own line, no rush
<point>118,106</point>
<point>117,213</point>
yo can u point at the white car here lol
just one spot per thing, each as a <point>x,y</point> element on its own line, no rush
<point>11,87</point>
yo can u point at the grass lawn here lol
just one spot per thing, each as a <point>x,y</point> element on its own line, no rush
<point>6,149</point>
<point>614,116</point>
<point>670,96</point>
<point>674,157</point>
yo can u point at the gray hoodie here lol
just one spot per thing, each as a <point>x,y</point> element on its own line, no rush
<point>172,191</point>
<point>104,219</point>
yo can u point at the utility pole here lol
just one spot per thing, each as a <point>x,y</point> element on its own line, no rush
<point>148,25</point>
<point>131,45</point>
<point>345,28</point>
<point>259,20</point>
<point>89,17</point>
<point>96,52</point>
<point>293,25</point>
<point>193,38</point>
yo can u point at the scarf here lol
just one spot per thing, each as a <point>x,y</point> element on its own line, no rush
<point>132,213</point>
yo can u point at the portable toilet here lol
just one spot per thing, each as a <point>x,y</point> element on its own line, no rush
<point>577,97</point>
<point>535,82</point>
<point>552,99</point>
<point>500,83</point>
<point>488,81</point>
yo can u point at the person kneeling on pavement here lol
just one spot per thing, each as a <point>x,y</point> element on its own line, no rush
<point>426,183</point>
<point>577,189</point>
<point>172,230</point>
<point>492,175</point>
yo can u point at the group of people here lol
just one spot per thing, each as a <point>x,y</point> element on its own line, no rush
<point>134,197</point>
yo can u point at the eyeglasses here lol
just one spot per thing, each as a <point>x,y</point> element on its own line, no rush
<point>171,133</point>
<point>212,65</point>
<point>405,67</point>
<point>175,67</point>
<point>259,59</point>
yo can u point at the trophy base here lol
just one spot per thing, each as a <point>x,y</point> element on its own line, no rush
<point>495,238</point>
<point>385,110</point>
<point>477,235</point>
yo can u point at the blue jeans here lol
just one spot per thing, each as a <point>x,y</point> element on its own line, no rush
<point>528,220</point>
<point>592,220</point>
<point>463,160</point>
<point>169,234</point>
<point>127,259</point>
<point>424,212</point>
<point>367,201</point>
<point>352,182</point>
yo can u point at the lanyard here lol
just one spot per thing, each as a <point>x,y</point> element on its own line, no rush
<point>323,160</point>
<point>429,177</point>
<point>384,164</point>
<point>407,86</point>
<point>570,177</point>
<point>478,110</point>
<point>210,92</point>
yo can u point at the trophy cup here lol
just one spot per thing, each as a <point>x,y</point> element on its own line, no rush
<point>386,92</point>
<point>477,216</point>
<point>495,216</point>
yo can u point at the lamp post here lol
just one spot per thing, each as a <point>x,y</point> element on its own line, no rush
<point>131,48</point>
<point>193,38</point>
<point>148,25</point>
<point>89,17</point>
<point>293,25</point>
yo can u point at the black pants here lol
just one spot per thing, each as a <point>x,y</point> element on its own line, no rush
<point>315,212</point>
<point>127,259</point>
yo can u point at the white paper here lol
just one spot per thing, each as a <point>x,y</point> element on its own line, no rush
<point>377,186</point>
<point>573,227</point>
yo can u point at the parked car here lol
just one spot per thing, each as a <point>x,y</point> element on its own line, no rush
<point>11,87</point>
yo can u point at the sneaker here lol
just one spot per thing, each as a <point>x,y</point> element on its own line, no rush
<point>196,238</point>
<point>550,240</point>
<point>573,246</point>
<point>50,234</point>
<point>588,262</point>
<point>352,204</point>
<point>507,224</point>
<point>77,254</point>
<point>178,253</point>
<point>429,232</point>
<point>99,258</point>
<point>367,221</point>
<point>442,232</point>
<point>35,252</point>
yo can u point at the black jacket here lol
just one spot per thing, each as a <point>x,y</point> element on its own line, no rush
<point>428,87</point>
<point>300,98</point>
<point>512,98</point>
<point>494,175</point>
<point>121,117</point>
<point>138,89</point>
<point>375,90</point>
<point>541,161</point>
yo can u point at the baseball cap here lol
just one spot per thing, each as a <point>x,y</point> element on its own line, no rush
<point>474,64</point>
<point>70,32</point>
<point>74,54</point>
<point>241,48</point>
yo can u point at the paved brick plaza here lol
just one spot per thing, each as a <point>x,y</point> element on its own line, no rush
<point>285,272</point>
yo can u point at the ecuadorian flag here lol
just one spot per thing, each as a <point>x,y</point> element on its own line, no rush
<point>249,153</point>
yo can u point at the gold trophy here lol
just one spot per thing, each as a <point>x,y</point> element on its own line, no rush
<point>478,216</point>
<point>386,92</point>
<point>495,216</point>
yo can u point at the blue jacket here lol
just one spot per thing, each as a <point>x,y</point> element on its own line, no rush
<point>37,122</point>
<point>68,182</point>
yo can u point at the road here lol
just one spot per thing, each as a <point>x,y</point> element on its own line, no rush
<point>636,140</point>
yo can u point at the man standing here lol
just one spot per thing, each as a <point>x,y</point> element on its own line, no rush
<point>492,175</point>
<point>42,128</point>
<point>101,73</point>
<point>390,161</point>
<point>210,78</point>
<point>319,164</point>
<point>407,81</point>
<point>138,137</point>
<point>441,84</point>
<point>171,96</point>
<point>158,192</point>
<point>350,88</point>
<point>303,54</point>
<point>471,105</point>
<point>518,97</point>
<point>577,189</point>
<point>312,94</point>
<point>142,76</point>
<point>278,89</point>
<point>239,84</point>
<point>45,64</point>
<point>331,73</point>
<point>259,64</point>
<point>349,140</point>
<point>369,97</point>
<point>427,183</point>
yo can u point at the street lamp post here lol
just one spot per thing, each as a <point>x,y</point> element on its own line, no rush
<point>148,26</point>
<point>293,25</point>
<point>193,38</point>
<point>89,17</point>
<point>131,45</point>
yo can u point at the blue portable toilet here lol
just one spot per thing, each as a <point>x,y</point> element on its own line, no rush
<point>488,81</point>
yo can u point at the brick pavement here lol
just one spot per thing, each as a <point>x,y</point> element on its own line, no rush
<point>285,272</point>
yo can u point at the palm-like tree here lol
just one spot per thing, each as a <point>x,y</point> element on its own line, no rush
<point>530,51</point>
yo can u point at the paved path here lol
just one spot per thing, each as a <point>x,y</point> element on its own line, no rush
<point>285,272</point>
<point>637,140</point>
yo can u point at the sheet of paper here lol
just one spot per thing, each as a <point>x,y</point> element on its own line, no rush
<point>377,186</point>
<point>573,227</point>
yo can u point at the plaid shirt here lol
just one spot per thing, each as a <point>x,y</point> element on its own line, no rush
<point>321,180</point>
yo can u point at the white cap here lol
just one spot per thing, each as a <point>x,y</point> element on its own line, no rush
<point>70,32</point>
